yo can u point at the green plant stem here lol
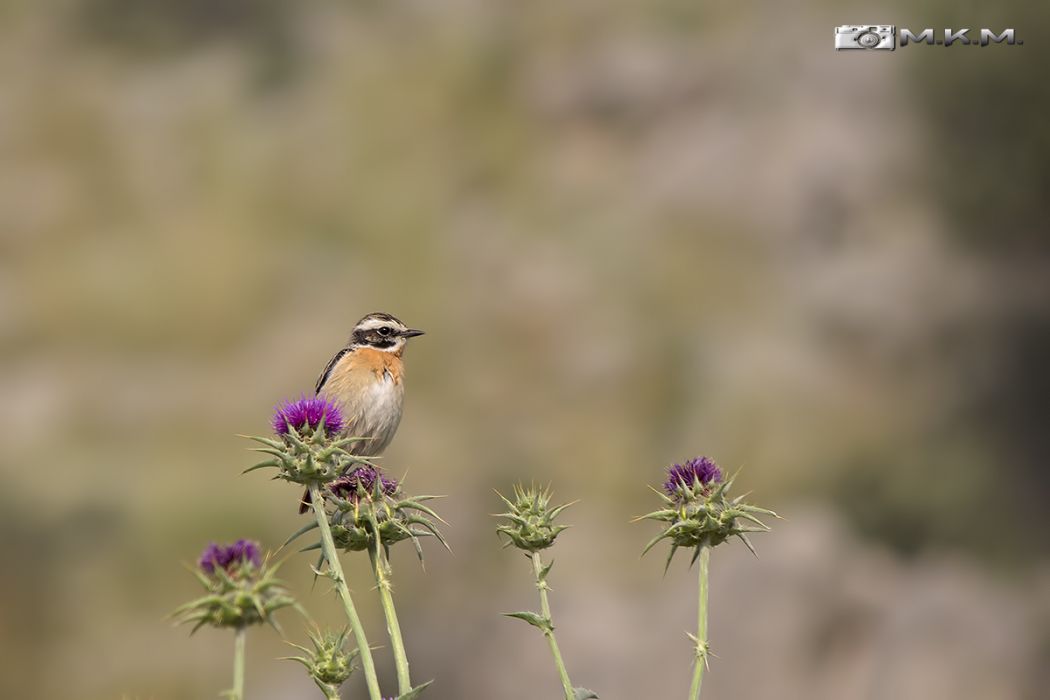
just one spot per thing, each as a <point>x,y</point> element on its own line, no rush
<point>381,569</point>
<point>330,692</point>
<point>336,570</point>
<point>545,610</point>
<point>238,664</point>
<point>701,626</point>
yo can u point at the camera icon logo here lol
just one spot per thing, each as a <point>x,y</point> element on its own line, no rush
<point>865,36</point>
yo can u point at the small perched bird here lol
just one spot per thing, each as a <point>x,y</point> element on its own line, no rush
<point>365,380</point>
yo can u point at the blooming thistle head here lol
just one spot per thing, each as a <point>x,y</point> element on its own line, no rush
<point>698,511</point>
<point>235,559</point>
<point>307,414</point>
<point>241,588</point>
<point>696,475</point>
<point>529,524</point>
<point>307,448</point>
<point>328,663</point>
<point>368,509</point>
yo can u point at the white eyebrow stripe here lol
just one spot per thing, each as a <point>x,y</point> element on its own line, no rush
<point>374,323</point>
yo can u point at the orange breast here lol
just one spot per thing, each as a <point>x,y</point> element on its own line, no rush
<point>380,362</point>
<point>368,387</point>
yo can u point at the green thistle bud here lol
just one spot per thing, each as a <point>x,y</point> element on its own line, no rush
<point>242,589</point>
<point>698,511</point>
<point>328,663</point>
<point>366,508</point>
<point>529,522</point>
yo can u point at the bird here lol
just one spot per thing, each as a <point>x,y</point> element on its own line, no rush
<point>366,381</point>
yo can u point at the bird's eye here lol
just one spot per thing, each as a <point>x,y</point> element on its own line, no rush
<point>385,331</point>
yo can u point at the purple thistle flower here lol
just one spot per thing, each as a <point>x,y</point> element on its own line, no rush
<point>307,413</point>
<point>365,476</point>
<point>697,471</point>
<point>225,557</point>
<point>210,558</point>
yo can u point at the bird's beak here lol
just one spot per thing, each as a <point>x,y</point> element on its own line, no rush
<point>411,333</point>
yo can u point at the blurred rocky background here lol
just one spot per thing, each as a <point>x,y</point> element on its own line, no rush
<point>634,232</point>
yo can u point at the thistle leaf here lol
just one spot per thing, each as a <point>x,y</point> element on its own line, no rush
<point>554,513</point>
<point>211,598</point>
<point>416,520</point>
<point>269,442</point>
<point>301,531</point>
<point>670,556</point>
<point>415,504</point>
<point>300,659</point>
<point>534,619</point>
<point>414,692</point>
<point>696,555</point>
<point>665,514</point>
<point>652,542</point>
<point>269,464</point>
<point>297,646</point>
<point>199,575</point>
<point>510,504</point>
<point>755,509</point>
<point>279,454</point>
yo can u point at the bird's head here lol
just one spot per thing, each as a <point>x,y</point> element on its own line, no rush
<point>382,332</point>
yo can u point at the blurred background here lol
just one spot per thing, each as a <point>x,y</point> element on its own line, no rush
<point>634,232</point>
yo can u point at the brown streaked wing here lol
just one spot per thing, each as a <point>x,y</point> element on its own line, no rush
<point>328,369</point>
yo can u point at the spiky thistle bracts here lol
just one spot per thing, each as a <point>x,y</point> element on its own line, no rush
<point>329,663</point>
<point>242,588</point>
<point>529,519</point>
<point>365,507</point>
<point>362,481</point>
<point>384,518</point>
<point>698,511</point>
<point>307,448</point>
